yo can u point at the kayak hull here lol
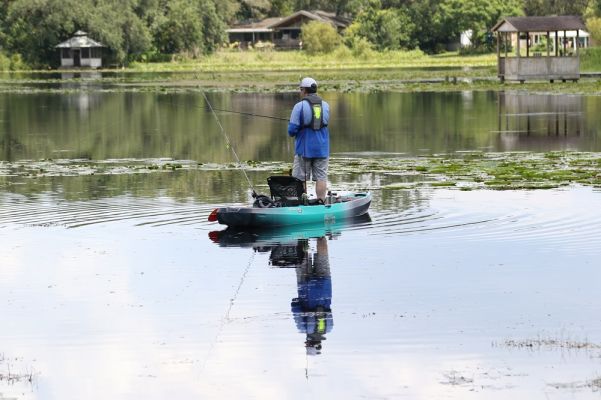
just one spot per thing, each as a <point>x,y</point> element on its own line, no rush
<point>355,205</point>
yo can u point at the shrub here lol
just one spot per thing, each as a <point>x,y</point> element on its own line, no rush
<point>319,37</point>
<point>590,59</point>
<point>264,46</point>
<point>12,63</point>
<point>389,29</point>
<point>342,52</point>
<point>362,48</point>
<point>593,26</point>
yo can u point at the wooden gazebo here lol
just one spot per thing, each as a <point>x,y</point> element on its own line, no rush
<point>80,51</point>
<point>558,60</point>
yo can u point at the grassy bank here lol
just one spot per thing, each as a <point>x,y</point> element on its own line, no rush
<point>341,71</point>
<point>347,72</point>
<point>342,58</point>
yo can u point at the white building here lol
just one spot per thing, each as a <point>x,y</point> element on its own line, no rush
<point>80,51</point>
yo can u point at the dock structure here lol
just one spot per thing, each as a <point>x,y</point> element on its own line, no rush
<point>554,55</point>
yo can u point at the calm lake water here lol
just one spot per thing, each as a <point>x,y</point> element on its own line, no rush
<point>116,286</point>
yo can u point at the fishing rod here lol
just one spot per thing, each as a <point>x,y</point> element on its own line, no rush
<point>229,145</point>
<point>252,115</point>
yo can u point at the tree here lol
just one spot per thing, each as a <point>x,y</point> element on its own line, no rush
<point>476,15</point>
<point>593,26</point>
<point>33,27</point>
<point>556,7</point>
<point>386,29</point>
<point>178,29</point>
<point>430,33</point>
<point>115,24</point>
<point>319,37</point>
<point>253,9</point>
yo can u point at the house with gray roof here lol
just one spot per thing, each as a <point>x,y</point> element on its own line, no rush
<point>283,32</point>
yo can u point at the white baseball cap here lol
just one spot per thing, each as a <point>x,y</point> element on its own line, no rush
<point>308,82</point>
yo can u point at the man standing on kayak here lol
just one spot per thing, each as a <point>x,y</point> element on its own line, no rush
<point>309,126</point>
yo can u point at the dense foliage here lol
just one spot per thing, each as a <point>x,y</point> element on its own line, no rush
<point>130,29</point>
<point>319,37</point>
<point>150,30</point>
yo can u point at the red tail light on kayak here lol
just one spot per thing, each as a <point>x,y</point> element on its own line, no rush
<point>213,215</point>
<point>214,236</point>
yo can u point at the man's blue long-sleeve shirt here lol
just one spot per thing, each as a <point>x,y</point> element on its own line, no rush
<point>309,143</point>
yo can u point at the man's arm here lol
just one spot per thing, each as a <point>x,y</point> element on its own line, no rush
<point>294,126</point>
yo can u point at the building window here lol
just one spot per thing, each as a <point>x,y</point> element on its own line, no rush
<point>66,53</point>
<point>95,52</point>
<point>85,53</point>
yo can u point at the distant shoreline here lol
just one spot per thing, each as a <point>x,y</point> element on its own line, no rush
<point>273,71</point>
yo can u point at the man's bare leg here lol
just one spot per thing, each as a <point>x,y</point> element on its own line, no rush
<point>321,188</point>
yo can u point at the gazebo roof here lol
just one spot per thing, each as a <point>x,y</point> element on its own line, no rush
<point>540,24</point>
<point>80,40</point>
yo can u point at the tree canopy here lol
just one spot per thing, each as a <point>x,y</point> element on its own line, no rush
<point>128,28</point>
<point>159,29</point>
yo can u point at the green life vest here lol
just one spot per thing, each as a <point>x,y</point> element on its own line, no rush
<point>315,102</point>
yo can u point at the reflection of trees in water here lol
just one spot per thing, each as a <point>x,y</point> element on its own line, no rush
<point>131,125</point>
<point>141,124</point>
<point>206,186</point>
<point>412,122</point>
<point>400,200</point>
<point>386,199</point>
<point>541,121</point>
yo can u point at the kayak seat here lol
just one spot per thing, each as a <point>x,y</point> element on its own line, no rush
<point>286,189</point>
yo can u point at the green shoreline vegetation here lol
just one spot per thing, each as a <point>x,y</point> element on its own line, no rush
<point>274,71</point>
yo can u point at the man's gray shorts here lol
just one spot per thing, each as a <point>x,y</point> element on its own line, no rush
<point>310,168</point>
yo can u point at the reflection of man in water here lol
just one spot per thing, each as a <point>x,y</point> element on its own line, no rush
<point>312,308</point>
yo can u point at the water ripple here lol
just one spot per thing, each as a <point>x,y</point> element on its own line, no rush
<point>143,212</point>
<point>568,219</point>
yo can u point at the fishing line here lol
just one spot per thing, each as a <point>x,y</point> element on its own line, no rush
<point>229,145</point>
<point>252,114</point>
<point>226,317</point>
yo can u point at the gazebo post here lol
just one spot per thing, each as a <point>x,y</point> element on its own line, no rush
<point>564,43</point>
<point>506,45</point>
<point>549,55</point>
<point>556,44</point>
<point>527,44</point>
<point>577,42</point>
<point>518,46</point>
<point>498,47</point>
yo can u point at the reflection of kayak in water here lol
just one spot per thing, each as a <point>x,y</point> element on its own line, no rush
<point>349,206</point>
<point>240,237</point>
<point>287,206</point>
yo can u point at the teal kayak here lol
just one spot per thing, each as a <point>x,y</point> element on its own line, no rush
<point>338,208</point>
<point>289,234</point>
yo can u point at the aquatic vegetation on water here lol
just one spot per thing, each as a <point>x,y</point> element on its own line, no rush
<point>9,375</point>
<point>461,170</point>
<point>499,171</point>
<point>551,343</point>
